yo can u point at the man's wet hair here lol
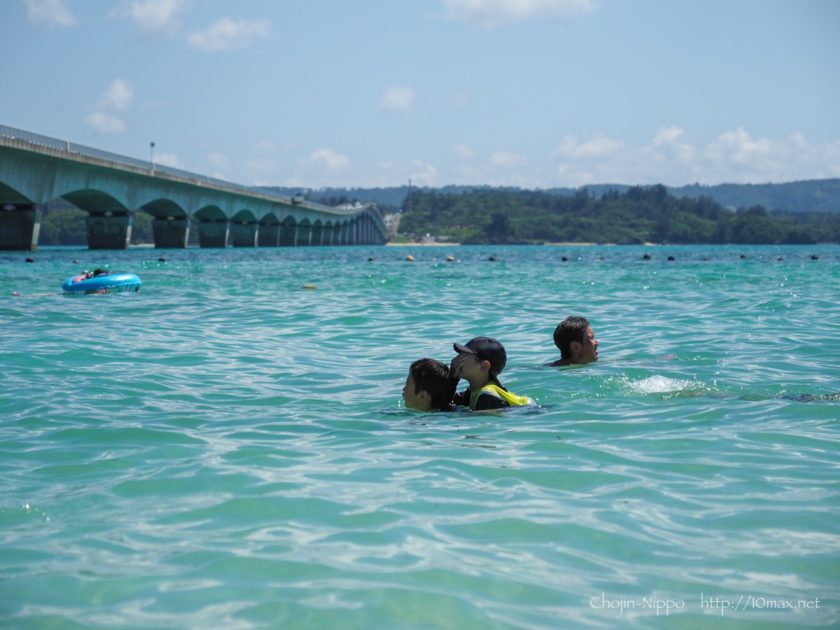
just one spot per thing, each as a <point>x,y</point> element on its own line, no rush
<point>433,376</point>
<point>571,329</point>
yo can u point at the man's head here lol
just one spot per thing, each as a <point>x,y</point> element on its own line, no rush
<point>428,386</point>
<point>576,340</point>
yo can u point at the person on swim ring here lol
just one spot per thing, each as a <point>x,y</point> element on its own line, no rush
<point>479,362</point>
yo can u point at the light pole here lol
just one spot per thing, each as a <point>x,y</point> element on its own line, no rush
<point>152,156</point>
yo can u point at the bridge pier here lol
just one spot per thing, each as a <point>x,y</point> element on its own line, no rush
<point>304,236</point>
<point>108,230</point>
<point>268,235</point>
<point>171,233</point>
<point>213,233</point>
<point>317,235</point>
<point>243,234</point>
<point>288,235</point>
<point>20,225</point>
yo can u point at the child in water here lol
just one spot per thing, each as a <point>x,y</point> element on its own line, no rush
<point>428,386</point>
<point>480,361</point>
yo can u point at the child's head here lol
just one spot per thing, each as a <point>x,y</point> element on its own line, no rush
<point>428,386</point>
<point>479,360</point>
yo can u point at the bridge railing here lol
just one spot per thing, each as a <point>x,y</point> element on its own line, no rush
<point>82,150</point>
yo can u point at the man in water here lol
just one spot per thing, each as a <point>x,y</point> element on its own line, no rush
<point>428,386</point>
<point>576,341</point>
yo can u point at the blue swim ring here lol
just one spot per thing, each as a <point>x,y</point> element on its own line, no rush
<point>106,283</point>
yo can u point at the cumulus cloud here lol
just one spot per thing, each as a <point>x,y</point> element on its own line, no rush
<point>117,96</point>
<point>333,160</point>
<point>423,174</point>
<point>227,34</point>
<point>152,15</point>
<point>49,12</point>
<point>668,140</point>
<point>106,117</point>
<point>599,146</point>
<point>733,156</point>
<point>490,13</point>
<point>398,98</point>
<point>105,122</point>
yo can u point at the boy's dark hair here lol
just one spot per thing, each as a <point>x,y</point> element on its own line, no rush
<point>570,329</point>
<point>433,376</point>
<point>486,349</point>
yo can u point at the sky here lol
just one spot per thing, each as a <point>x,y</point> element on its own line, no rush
<point>365,93</point>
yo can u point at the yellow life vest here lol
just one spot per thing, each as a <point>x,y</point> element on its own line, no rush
<point>514,400</point>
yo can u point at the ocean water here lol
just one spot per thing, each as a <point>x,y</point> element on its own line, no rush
<point>229,449</point>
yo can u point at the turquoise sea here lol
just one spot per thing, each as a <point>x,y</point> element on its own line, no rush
<point>229,449</point>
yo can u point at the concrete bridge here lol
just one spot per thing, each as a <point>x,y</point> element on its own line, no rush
<point>110,188</point>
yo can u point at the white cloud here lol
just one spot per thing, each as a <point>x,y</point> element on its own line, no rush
<point>463,151</point>
<point>505,158</point>
<point>104,122</point>
<point>117,96</point>
<point>227,34</point>
<point>423,174</point>
<point>333,160</point>
<point>490,13</point>
<point>733,156</point>
<point>398,98</point>
<point>739,146</point>
<point>152,15</point>
<point>50,12</point>
<point>599,146</point>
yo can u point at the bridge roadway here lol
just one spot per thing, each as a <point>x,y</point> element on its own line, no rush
<point>110,188</point>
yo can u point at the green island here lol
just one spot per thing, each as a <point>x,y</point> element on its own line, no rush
<point>640,214</point>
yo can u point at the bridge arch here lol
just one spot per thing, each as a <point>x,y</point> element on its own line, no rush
<point>268,231</point>
<point>288,232</point>
<point>213,227</point>
<point>243,229</point>
<point>170,223</point>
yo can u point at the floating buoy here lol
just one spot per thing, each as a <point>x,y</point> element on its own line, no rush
<point>309,286</point>
<point>410,258</point>
<point>450,259</point>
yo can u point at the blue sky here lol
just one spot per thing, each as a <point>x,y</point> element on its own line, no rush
<point>531,93</point>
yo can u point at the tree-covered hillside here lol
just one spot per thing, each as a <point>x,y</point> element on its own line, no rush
<point>641,214</point>
<point>819,195</point>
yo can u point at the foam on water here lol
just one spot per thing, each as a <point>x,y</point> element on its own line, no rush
<point>226,448</point>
